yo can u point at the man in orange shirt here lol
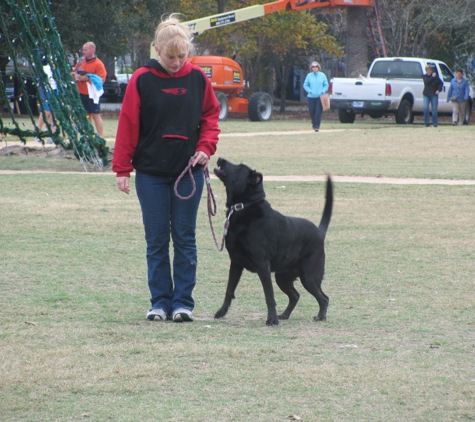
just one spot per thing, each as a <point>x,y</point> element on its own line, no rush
<point>90,64</point>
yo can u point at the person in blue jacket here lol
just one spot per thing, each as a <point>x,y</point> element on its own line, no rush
<point>458,94</point>
<point>316,84</point>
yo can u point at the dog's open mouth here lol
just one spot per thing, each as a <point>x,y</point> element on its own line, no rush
<point>219,171</point>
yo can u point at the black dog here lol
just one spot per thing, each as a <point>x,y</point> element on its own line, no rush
<point>263,241</point>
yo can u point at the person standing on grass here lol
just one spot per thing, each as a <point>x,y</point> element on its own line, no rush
<point>315,84</point>
<point>458,94</point>
<point>90,65</point>
<point>430,95</point>
<point>44,101</point>
<point>169,114</point>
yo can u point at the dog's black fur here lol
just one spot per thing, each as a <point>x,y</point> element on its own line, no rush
<point>264,241</point>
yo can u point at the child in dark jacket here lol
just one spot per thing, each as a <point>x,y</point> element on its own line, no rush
<point>432,87</point>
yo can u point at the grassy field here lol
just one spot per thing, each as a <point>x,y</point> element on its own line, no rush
<point>367,148</point>
<point>399,341</point>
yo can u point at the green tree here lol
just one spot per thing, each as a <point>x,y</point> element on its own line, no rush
<point>281,40</point>
<point>117,27</point>
<point>437,29</point>
<point>290,38</point>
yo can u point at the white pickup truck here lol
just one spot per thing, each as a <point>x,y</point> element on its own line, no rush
<point>392,86</point>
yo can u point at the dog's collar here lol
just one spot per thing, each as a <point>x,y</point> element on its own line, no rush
<point>236,207</point>
<point>241,205</point>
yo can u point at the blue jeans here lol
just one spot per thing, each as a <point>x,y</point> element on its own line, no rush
<point>315,110</point>
<point>163,214</point>
<point>434,101</point>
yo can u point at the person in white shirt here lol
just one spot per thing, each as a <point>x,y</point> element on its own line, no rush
<point>44,102</point>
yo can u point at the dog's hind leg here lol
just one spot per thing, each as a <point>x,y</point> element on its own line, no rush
<point>311,278</point>
<point>285,281</point>
<point>235,272</point>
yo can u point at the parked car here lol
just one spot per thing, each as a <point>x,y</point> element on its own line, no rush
<point>111,90</point>
<point>122,80</point>
<point>392,86</point>
<point>12,86</point>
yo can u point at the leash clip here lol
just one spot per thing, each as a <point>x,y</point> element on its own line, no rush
<point>238,207</point>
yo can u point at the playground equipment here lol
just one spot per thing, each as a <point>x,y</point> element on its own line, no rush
<point>28,32</point>
<point>226,75</point>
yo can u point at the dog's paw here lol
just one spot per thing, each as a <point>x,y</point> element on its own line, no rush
<point>283,317</point>
<point>220,314</point>
<point>319,318</point>
<point>272,321</point>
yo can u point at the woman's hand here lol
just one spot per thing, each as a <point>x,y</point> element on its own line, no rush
<point>201,158</point>
<point>123,183</point>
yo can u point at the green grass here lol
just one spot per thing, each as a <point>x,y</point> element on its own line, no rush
<point>398,344</point>
<point>366,148</point>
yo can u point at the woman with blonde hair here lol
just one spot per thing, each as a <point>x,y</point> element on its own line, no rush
<point>315,84</point>
<point>169,114</point>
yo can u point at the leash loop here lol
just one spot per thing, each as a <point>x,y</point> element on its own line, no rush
<point>212,208</point>
<point>187,169</point>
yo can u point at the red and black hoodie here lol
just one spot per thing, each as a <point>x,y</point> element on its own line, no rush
<point>164,120</point>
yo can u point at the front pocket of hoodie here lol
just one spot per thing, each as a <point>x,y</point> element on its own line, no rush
<point>175,152</point>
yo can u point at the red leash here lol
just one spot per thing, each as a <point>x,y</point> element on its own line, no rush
<point>212,209</point>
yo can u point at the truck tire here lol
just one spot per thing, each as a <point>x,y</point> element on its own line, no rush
<point>404,114</point>
<point>260,107</point>
<point>468,112</point>
<point>223,105</point>
<point>346,116</point>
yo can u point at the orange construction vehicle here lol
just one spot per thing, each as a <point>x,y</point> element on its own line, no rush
<point>226,75</point>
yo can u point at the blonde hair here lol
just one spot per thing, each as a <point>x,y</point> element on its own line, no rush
<point>173,37</point>
<point>314,64</point>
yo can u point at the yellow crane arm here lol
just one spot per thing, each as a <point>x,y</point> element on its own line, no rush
<point>251,12</point>
<point>240,15</point>
<point>215,21</point>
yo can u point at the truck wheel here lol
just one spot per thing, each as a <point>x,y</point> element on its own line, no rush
<point>468,112</point>
<point>346,116</point>
<point>260,107</point>
<point>404,114</point>
<point>223,105</point>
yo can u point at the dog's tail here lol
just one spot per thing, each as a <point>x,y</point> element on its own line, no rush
<point>327,211</point>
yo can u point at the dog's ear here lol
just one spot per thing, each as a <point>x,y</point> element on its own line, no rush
<point>255,177</point>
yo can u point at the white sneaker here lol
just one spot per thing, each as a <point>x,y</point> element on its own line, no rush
<point>156,315</point>
<point>37,139</point>
<point>49,141</point>
<point>183,315</point>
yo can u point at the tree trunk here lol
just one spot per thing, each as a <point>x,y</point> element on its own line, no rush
<point>142,52</point>
<point>284,76</point>
<point>221,6</point>
<point>283,95</point>
<point>357,42</point>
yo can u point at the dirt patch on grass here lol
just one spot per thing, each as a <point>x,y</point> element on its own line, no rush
<point>34,150</point>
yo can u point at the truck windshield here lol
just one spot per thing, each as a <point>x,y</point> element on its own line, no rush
<point>396,69</point>
<point>447,75</point>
